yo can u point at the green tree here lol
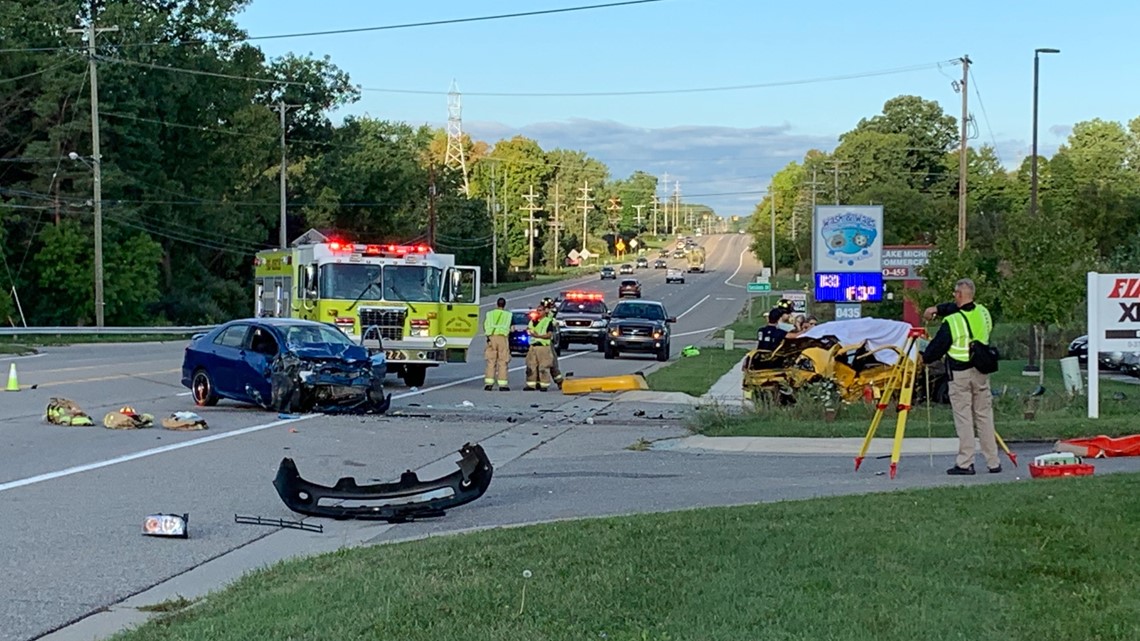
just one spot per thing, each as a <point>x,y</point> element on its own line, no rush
<point>1043,272</point>
<point>928,131</point>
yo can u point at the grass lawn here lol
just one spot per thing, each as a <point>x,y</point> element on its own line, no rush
<point>1057,416</point>
<point>1025,561</point>
<point>9,348</point>
<point>695,375</point>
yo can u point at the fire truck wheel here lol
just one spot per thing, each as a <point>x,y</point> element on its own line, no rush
<point>414,375</point>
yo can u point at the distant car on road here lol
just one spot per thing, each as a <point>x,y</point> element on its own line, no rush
<point>236,360</point>
<point>660,264</point>
<point>626,269</point>
<point>608,273</point>
<point>642,263</point>
<point>675,276</point>
<point>678,253</point>
<point>629,287</point>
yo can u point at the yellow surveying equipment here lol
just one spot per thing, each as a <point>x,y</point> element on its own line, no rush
<point>901,382</point>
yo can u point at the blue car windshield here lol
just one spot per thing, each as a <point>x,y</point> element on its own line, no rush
<point>315,335</point>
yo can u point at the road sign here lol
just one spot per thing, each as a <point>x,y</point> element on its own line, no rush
<point>633,243</point>
<point>901,262</point>
<point>759,288</point>
<point>799,300</point>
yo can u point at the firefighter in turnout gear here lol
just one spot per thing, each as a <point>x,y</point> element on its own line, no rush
<point>497,326</point>
<point>555,371</point>
<point>538,357</point>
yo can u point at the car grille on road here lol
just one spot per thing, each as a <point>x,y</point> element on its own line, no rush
<point>577,323</point>
<point>390,322</point>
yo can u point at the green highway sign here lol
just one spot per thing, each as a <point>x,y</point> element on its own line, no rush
<point>759,287</point>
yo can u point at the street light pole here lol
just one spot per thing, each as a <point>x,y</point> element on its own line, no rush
<point>1031,366</point>
<point>96,159</point>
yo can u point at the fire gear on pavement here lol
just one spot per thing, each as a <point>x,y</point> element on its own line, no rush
<point>61,411</point>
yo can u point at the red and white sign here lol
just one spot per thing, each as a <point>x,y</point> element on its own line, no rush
<point>1113,322</point>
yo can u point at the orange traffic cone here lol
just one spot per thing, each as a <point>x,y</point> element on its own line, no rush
<point>13,382</point>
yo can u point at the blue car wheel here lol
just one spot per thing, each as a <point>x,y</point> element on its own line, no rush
<point>202,388</point>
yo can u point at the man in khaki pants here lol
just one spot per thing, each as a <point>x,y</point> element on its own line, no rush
<point>970,396</point>
<point>539,357</point>
<point>497,326</point>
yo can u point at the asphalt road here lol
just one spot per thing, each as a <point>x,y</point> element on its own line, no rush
<point>74,498</point>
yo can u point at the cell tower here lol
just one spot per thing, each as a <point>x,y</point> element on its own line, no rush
<point>455,158</point>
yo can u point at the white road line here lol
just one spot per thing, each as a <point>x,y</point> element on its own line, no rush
<point>24,357</point>
<point>739,266</point>
<point>695,305</point>
<point>134,456</point>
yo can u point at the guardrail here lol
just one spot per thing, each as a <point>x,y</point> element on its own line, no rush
<point>104,331</point>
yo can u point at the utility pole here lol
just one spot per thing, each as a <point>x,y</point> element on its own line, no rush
<point>586,200</point>
<point>655,201</point>
<point>431,206</point>
<point>530,208</point>
<point>772,199</point>
<point>282,108</point>
<point>556,225</point>
<point>814,185</point>
<point>676,204</point>
<point>638,208</point>
<point>835,165</point>
<point>97,159</point>
<point>492,208</point>
<point>962,157</point>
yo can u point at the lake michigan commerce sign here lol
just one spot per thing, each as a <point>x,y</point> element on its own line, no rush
<point>901,262</point>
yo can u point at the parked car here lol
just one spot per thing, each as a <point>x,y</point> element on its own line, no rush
<point>284,364</point>
<point>626,269</point>
<point>608,273</point>
<point>660,264</point>
<point>675,276</point>
<point>629,288</point>
<point>1125,362</point>
<point>642,263</point>
<point>519,340</point>
<point>638,326</point>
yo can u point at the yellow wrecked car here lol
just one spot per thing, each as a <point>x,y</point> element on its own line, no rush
<point>858,355</point>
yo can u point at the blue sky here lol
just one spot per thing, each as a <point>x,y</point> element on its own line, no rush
<point>720,142</point>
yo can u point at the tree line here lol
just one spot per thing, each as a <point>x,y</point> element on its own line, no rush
<point>1029,266</point>
<point>190,158</point>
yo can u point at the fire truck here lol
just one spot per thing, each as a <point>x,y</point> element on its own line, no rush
<point>417,306</point>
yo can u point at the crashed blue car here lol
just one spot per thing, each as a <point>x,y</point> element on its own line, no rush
<point>287,365</point>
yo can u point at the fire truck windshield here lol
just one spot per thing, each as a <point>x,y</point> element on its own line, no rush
<point>413,283</point>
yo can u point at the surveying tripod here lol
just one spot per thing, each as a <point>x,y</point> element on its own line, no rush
<point>902,383</point>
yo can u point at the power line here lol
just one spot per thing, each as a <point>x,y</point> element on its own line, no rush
<point>579,94</point>
<point>65,61</point>
<point>335,32</point>
<point>985,116</point>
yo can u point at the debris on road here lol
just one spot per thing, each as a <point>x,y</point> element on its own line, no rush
<point>408,499</point>
<point>167,525</point>
<point>295,525</point>
<point>184,422</point>
<point>61,411</point>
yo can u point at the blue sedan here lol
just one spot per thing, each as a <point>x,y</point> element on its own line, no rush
<point>243,360</point>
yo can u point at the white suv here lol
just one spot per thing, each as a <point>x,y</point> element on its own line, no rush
<point>674,276</point>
